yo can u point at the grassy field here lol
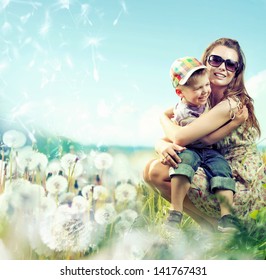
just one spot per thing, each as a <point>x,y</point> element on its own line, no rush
<point>60,200</point>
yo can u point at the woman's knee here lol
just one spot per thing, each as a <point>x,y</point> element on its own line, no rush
<point>149,172</point>
<point>146,172</point>
<point>154,172</point>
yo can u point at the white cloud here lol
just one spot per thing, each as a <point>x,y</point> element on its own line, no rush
<point>256,85</point>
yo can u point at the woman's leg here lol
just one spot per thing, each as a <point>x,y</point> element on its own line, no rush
<point>157,176</point>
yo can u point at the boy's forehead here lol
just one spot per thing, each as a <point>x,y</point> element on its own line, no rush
<point>200,78</point>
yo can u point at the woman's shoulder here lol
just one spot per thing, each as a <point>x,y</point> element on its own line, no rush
<point>231,101</point>
<point>231,104</point>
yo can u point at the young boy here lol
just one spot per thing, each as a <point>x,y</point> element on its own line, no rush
<point>191,82</point>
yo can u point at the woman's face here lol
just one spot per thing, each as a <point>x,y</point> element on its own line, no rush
<point>220,76</point>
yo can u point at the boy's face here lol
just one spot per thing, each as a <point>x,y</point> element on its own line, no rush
<point>198,93</point>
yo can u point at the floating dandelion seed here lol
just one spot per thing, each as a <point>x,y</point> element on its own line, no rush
<point>4,4</point>
<point>25,18</point>
<point>84,15</point>
<point>46,25</point>
<point>69,61</point>
<point>123,9</point>
<point>56,184</point>
<point>14,139</point>
<point>105,215</point>
<point>64,4</point>
<point>6,27</point>
<point>93,43</point>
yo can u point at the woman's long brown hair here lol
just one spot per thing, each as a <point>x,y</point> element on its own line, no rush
<point>236,86</point>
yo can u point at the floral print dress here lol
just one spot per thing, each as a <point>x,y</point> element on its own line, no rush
<point>239,149</point>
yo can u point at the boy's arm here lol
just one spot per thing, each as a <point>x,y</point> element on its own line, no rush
<point>200,127</point>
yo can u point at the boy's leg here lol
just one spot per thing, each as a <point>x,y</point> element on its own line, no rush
<point>179,188</point>
<point>225,198</point>
<point>221,183</point>
<point>223,186</point>
<point>181,178</point>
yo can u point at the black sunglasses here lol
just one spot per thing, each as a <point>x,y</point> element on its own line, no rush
<point>216,61</point>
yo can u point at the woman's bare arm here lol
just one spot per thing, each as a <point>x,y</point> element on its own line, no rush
<point>200,127</point>
<point>226,129</point>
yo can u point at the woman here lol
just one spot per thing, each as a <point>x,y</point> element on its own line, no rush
<point>225,62</point>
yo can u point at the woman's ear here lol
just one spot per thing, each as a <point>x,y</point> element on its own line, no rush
<point>178,92</point>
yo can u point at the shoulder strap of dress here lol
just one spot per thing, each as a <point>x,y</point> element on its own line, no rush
<point>238,105</point>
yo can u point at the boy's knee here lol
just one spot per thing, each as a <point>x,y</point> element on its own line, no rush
<point>190,158</point>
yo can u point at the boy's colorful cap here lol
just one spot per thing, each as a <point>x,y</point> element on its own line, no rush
<point>183,68</point>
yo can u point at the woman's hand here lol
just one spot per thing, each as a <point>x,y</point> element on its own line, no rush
<point>168,152</point>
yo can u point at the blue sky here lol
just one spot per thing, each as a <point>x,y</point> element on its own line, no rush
<point>98,71</point>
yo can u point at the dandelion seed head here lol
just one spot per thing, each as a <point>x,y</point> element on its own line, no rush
<point>87,191</point>
<point>32,160</point>
<point>68,160</point>
<point>80,204</point>
<point>26,198</point>
<point>47,206</point>
<point>15,185</point>
<point>125,192</point>
<point>122,227</point>
<point>14,139</point>
<point>128,215</point>
<point>103,161</point>
<point>66,198</point>
<point>105,215</point>
<point>56,184</point>
<point>100,193</point>
<point>53,167</point>
<point>66,231</point>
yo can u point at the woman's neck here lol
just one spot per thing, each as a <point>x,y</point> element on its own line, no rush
<point>217,94</point>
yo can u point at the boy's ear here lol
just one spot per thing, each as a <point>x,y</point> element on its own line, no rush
<point>178,92</point>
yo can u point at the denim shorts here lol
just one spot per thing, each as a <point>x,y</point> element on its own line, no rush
<point>214,164</point>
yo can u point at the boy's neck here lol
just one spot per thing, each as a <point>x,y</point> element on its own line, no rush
<point>183,100</point>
